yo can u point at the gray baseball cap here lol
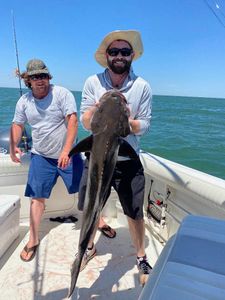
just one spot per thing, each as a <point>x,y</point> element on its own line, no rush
<point>36,66</point>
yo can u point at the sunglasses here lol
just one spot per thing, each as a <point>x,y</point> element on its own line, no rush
<point>39,77</point>
<point>116,51</point>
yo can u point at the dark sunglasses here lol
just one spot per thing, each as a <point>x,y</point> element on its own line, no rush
<point>116,51</point>
<point>39,77</point>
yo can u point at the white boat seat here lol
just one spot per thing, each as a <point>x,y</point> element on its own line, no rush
<point>9,220</point>
<point>192,264</point>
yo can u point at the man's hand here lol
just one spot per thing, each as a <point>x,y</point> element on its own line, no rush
<point>14,157</point>
<point>134,125</point>
<point>63,160</point>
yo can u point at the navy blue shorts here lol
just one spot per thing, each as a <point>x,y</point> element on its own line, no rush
<point>128,181</point>
<point>43,174</point>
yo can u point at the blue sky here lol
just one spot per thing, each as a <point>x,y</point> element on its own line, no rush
<point>184,44</point>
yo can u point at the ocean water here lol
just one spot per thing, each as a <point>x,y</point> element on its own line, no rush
<point>187,130</point>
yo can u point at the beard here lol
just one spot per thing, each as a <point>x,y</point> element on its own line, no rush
<point>119,69</point>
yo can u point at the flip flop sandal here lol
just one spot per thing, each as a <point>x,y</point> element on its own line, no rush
<point>69,219</point>
<point>73,219</point>
<point>28,250</point>
<point>58,219</point>
<point>107,231</point>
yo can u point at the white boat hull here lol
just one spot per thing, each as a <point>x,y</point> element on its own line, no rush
<point>183,190</point>
<point>180,190</point>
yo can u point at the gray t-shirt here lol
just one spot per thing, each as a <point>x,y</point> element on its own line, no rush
<point>47,119</point>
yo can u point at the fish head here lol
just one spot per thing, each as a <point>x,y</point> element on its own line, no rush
<point>112,115</point>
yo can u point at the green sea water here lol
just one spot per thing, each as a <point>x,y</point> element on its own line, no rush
<point>187,130</point>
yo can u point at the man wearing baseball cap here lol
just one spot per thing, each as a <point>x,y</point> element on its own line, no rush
<point>116,53</point>
<point>51,112</point>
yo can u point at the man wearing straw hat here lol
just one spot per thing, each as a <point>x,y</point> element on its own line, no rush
<point>116,54</point>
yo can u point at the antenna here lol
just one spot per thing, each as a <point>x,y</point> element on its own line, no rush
<point>16,50</point>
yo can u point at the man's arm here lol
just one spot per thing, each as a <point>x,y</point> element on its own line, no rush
<point>89,103</point>
<point>87,116</point>
<point>141,123</point>
<point>72,128</point>
<point>15,137</point>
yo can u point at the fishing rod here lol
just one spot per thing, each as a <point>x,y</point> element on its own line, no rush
<point>215,13</point>
<point>17,55</point>
<point>24,134</point>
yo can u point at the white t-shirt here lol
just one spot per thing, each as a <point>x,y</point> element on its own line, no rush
<point>47,118</point>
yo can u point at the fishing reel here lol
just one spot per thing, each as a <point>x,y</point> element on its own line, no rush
<point>24,145</point>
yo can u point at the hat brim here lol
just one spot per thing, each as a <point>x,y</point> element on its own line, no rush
<point>131,36</point>
<point>41,71</point>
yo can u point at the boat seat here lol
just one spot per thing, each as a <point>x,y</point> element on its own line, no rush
<point>9,220</point>
<point>192,264</point>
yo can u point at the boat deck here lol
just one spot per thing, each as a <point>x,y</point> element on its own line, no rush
<point>112,274</point>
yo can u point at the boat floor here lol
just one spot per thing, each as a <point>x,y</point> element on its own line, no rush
<point>112,274</point>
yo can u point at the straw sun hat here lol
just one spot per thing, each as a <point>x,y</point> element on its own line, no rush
<point>133,37</point>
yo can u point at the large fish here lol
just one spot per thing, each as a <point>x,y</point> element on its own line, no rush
<point>108,125</point>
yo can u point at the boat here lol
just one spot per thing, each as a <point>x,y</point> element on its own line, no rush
<point>176,198</point>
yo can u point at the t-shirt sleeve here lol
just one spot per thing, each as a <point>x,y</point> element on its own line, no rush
<point>20,115</point>
<point>68,101</point>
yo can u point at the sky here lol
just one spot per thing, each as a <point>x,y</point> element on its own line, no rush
<point>184,42</point>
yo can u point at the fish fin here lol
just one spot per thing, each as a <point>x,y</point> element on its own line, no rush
<point>83,146</point>
<point>127,150</point>
<point>74,274</point>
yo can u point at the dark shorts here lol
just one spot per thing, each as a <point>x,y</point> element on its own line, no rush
<point>128,181</point>
<point>43,174</point>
